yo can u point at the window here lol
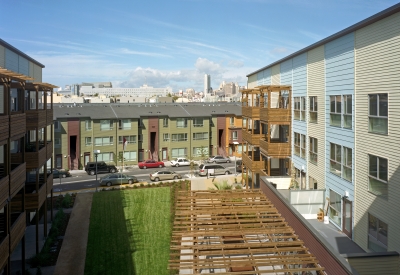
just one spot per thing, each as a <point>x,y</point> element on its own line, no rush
<point>378,113</point>
<point>335,207</point>
<point>336,159</point>
<point>197,122</point>
<point>124,124</point>
<point>106,125</point>
<point>297,144</point>
<point>178,152</point>
<point>88,141</point>
<point>303,108</point>
<point>234,135</point>
<point>57,142</point>
<point>181,123</point>
<point>165,137</point>
<point>232,121</point>
<point>313,150</point>
<point>200,136</point>
<point>140,138</point>
<point>165,122</point>
<point>58,163</point>
<point>179,137</point>
<point>244,122</point>
<point>129,139</point>
<point>347,164</point>
<point>106,157</point>
<point>313,183</point>
<point>313,109</point>
<point>303,146</point>
<point>200,151</point>
<point>378,175</point>
<point>336,110</point>
<point>297,108</point>
<point>347,111</point>
<point>88,125</point>
<point>57,126</point>
<point>130,156</point>
<point>103,141</point>
<point>377,234</point>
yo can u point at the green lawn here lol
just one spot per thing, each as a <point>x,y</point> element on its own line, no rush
<point>129,232</point>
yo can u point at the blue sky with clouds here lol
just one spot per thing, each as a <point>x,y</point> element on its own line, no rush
<point>172,42</point>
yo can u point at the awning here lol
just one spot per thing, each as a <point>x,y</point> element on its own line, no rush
<point>235,142</point>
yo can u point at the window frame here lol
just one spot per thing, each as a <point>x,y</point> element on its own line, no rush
<point>88,143</point>
<point>313,109</point>
<point>297,108</point>
<point>179,137</point>
<point>296,143</point>
<point>375,237</point>
<point>235,135</point>
<point>335,113</point>
<point>313,151</point>
<point>165,122</point>
<point>104,122</point>
<point>195,122</point>
<point>122,122</point>
<point>347,116</point>
<point>200,136</point>
<point>166,136</point>
<point>347,164</point>
<point>337,161</point>
<point>378,116</point>
<point>131,139</point>
<point>181,120</point>
<point>57,126</point>
<point>110,143</point>
<point>88,128</point>
<point>377,179</point>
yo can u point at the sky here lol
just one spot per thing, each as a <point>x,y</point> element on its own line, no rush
<point>170,43</point>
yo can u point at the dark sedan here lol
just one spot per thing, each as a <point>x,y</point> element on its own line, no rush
<point>60,173</point>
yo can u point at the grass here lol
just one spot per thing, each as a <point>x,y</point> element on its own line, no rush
<point>129,232</point>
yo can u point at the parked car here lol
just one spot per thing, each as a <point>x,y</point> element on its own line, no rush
<point>102,168</point>
<point>59,173</point>
<point>180,162</point>
<point>165,175</point>
<point>150,163</point>
<point>117,178</point>
<point>218,159</point>
<point>239,165</point>
<point>212,170</point>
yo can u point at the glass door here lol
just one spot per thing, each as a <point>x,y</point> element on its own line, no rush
<point>347,217</point>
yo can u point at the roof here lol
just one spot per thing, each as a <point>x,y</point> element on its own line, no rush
<point>235,232</point>
<point>134,110</point>
<point>10,47</point>
<point>4,73</point>
<point>370,20</point>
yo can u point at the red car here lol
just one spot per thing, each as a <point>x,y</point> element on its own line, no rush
<point>151,163</point>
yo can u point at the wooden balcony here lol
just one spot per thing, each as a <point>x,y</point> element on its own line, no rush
<point>251,112</point>
<point>4,250</point>
<point>252,139</point>
<point>4,127</point>
<point>35,200</point>
<point>49,150</point>
<point>252,164</point>
<point>17,158</point>
<point>276,115</point>
<point>35,159</point>
<point>36,119</point>
<point>4,189</point>
<point>17,178</point>
<point>49,116</point>
<point>17,125</point>
<point>273,149</point>
<point>17,231</point>
<point>49,183</point>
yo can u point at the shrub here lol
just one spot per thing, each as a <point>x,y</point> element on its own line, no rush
<point>67,201</point>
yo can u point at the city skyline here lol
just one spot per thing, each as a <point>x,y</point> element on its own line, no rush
<point>174,45</point>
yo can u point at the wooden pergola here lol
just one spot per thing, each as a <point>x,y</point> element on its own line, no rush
<point>235,232</point>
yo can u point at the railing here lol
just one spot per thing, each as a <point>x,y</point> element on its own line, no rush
<point>49,149</point>
<point>4,127</point>
<point>36,119</point>
<point>252,164</point>
<point>49,116</point>
<point>17,231</point>
<point>49,183</point>
<point>4,188</point>
<point>277,115</point>
<point>17,178</point>
<point>4,250</point>
<point>35,159</point>
<point>251,112</point>
<point>35,200</point>
<point>17,124</point>
<point>253,139</point>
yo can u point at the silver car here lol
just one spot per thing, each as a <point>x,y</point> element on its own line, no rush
<point>218,159</point>
<point>164,175</point>
<point>117,179</point>
<point>212,170</point>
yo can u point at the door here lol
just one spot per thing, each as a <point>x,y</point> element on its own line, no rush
<point>164,153</point>
<point>347,217</point>
<point>86,158</point>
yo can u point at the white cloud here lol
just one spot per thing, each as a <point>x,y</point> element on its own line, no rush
<point>206,66</point>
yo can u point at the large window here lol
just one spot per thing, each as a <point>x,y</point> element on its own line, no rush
<point>336,110</point>
<point>303,146</point>
<point>200,136</point>
<point>165,122</point>
<point>335,207</point>
<point>129,139</point>
<point>234,135</point>
<point>347,164</point>
<point>106,157</point>
<point>106,124</point>
<point>300,145</point>
<point>124,124</point>
<point>232,121</point>
<point>377,234</point>
<point>179,137</point>
<point>166,137</point>
<point>197,122</point>
<point>336,159</point>
<point>57,126</point>
<point>57,142</point>
<point>378,113</point>
<point>88,125</point>
<point>130,156</point>
<point>103,141</point>
<point>88,141</point>
<point>297,108</point>
<point>297,144</point>
<point>347,111</point>
<point>200,152</point>
<point>303,108</point>
<point>378,175</point>
<point>181,122</point>
<point>313,109</point>
<point>313,150</point>
<point>178,152</point>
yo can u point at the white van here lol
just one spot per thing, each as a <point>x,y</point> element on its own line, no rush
<point>212,170</point>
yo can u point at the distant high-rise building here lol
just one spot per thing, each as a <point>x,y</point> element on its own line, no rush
<point>207,83</point>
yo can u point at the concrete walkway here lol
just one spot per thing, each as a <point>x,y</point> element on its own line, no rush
<point>71,259</point>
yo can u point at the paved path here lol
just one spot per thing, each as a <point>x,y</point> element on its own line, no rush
<point>71,259</point>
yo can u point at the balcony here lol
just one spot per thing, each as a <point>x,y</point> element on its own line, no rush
<point>49,149</point>
<point>36,159</point>
<point>4,127</point>
<point>35,200</point>
<point>251,112</point>
<point>36,119</point>
<point>17,230</point>
<point>275,149</point>
<point>4,189</point>
<point>4,249</point>
<point>275,115</point>
<point>49,116</point>
<point>17,124</point>
<point>253,165</point>
<point>253,139</point>
<point>17,177</point>
<point>49,183</point>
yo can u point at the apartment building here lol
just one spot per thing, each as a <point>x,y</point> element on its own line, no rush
<point>26,149</point>
<point>345,93</point>
<point>151,131</point>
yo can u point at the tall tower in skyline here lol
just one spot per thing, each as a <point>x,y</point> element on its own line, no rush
<point>207,83</point>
